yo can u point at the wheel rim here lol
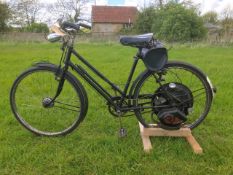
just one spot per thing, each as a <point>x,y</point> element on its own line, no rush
<point>32,91</point>
<point>176,75</point>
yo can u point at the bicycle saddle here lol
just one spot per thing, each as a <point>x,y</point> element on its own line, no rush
<point>137,40</point>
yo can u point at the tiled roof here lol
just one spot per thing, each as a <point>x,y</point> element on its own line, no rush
<point>114,14</point>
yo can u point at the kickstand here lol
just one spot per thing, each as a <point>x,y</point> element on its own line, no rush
<point>122,132</point>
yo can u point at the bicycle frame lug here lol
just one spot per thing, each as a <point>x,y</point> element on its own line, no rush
<point>160,78</point>
<point>57,78</point>
<point>136,57</point>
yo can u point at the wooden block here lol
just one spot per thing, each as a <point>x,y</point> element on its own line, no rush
<point>194,144</point>
<point>162,132</point>
<point>145,140</point>
<point>182,132</point>
<point>146,144</point>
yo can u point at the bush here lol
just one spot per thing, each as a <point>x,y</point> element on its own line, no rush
<point>37,28</point>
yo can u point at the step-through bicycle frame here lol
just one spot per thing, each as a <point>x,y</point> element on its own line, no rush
<point>100,89</point>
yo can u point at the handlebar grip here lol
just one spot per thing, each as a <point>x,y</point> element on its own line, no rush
<point>85,25</point>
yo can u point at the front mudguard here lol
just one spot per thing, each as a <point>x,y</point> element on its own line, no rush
<point>45,64</point>
<point>53,66</point>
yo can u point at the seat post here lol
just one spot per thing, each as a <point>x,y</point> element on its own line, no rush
<point>139,54</point>
<point>129,79</point>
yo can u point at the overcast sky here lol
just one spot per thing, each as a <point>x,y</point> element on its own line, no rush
<point>205,5</point>
<point>215,5</point>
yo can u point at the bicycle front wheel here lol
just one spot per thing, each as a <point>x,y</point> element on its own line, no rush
<point>34,89</point>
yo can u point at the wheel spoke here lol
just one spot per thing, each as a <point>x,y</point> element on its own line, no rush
<point>190,93</point>
<point>30,106</point>
<point>66,104</point>
<point>61,107</point>
<point>33,90</point>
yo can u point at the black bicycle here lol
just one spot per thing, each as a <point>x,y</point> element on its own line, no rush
<point>49,100</point>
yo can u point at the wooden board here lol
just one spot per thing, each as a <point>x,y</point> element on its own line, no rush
<point>55,28</point>
<point>146,133</point>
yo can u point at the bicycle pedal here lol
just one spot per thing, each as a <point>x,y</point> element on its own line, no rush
<point>122,132</point>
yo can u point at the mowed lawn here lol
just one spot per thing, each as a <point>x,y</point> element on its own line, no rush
<point>94,147</point>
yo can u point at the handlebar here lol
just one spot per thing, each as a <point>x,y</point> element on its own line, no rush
<point>64,25</point>
<point>65,28</point>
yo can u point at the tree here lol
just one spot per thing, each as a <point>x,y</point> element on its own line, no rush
<point>4,15</point>
<point>173,22</point>
<point>144,20</point>
<point>69,9</point>
<point>25,11</point>
<point>227,13</point>
<point>210,17</point>
<point>227,19</point>
<point>178,23</point>
<point>159,3</point>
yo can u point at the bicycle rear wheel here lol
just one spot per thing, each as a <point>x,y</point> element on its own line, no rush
<point>35,88</point>
<point>192,89</point>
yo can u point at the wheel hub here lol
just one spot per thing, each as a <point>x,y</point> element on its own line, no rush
<point>47,102</point>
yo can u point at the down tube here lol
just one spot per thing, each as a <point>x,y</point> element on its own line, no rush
<point>93,83</point>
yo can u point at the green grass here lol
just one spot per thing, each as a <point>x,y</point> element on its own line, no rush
<point>94,147</point>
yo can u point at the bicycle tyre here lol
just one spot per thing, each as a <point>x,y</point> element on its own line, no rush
<point>186,68</point>
<point>71,84</point>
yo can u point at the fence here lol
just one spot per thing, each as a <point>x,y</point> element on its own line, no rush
<point>41,37</point>
<point>22,37</point>
<point>94,37</point>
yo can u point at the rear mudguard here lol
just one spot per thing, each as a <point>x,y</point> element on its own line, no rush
<point>74,79</point>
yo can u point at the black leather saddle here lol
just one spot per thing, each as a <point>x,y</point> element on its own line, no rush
<point>137,40</point>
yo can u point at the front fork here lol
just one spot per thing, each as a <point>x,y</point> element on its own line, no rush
<point>60,76</point>
<point>61,73</point>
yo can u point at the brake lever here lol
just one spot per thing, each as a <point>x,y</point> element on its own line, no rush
<point>81,24</point>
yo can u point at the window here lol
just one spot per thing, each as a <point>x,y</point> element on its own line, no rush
<point>128,25</point>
